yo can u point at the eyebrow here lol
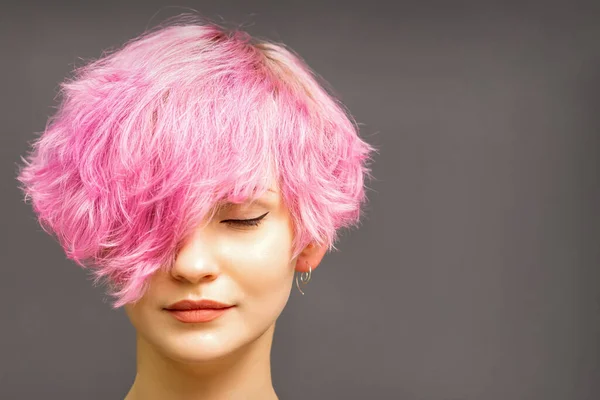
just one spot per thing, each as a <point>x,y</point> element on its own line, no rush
<point>266,202</point>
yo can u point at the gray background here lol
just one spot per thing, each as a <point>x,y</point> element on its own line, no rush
<point>474,274</point>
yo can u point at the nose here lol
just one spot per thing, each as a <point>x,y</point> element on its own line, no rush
<point>195,262</point>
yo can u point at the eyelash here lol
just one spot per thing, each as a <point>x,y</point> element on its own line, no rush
<point>246,222</point>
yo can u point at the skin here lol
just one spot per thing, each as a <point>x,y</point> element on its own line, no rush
<point>229,357</point>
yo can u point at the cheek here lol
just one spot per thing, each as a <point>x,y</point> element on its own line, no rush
<point>262,265</point>
<point>137,316</point>
<point>142,313</point>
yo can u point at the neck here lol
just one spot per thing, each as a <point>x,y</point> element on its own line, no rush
<point>244,373</point>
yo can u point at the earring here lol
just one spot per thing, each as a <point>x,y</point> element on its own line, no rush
<point>304,278</point>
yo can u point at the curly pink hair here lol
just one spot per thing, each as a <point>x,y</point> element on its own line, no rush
<point>148,138</point>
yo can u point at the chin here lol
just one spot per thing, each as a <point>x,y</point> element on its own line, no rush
<point>194,346</point>
<point>199,346</point>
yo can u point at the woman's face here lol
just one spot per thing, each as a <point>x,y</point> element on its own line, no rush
<point>245,266</point>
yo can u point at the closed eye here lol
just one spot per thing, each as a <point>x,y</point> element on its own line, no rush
<point>245,222</point>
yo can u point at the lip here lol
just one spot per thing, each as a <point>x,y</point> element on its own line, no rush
<point>198,315</point>
<point>204,304</point>
<point>194,311</point>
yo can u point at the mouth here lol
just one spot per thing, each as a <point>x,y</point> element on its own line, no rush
<point>204,304</point>
<point>198,315</point>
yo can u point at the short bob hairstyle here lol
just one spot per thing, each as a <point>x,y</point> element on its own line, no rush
<point>150,137</point>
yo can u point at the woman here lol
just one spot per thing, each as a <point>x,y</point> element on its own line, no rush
<point>195,170</point>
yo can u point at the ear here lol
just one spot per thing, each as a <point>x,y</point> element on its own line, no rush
<point>311,255</point>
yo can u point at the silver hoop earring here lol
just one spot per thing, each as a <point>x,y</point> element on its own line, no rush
<point>304,278</point>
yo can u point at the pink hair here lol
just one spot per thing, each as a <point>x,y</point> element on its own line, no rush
<point>149,138</point>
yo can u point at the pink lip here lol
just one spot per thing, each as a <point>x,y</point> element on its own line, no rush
<point>197,304</point>
<point>198,315</point>
<point>193,311</point>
